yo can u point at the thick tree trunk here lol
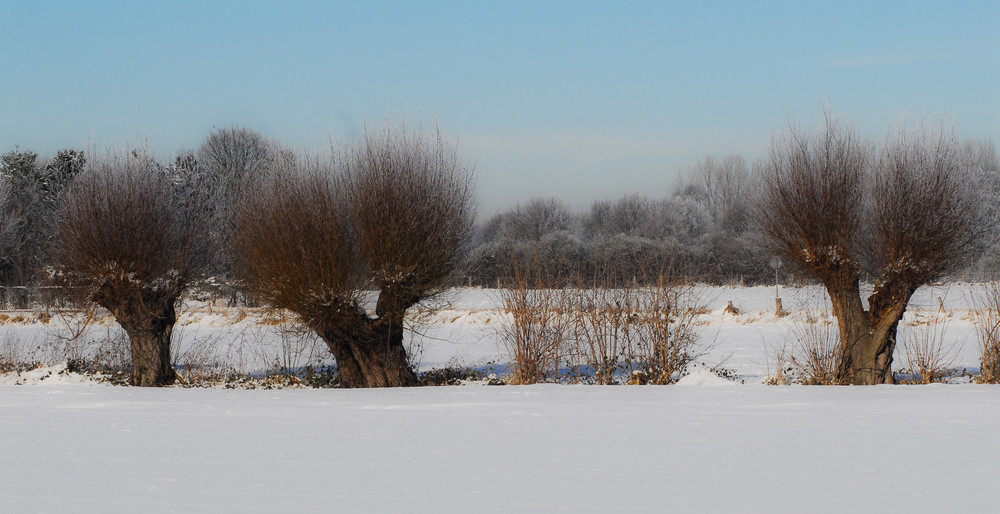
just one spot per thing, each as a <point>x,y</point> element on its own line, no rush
<point>852,323</point>
<point>149,332</point>
<point>868,338</point>
<point>886,307</point>
<point>369,350</point>
<point>371,355</point>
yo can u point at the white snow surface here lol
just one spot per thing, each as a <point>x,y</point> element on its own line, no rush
<point>462,331</point>
<point>700,375</point>
<point>72,445</point>
<point>538,448</point>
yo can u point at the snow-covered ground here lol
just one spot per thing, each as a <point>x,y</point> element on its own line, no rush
<point>506,449</point>
<point>462,331</point>
<point>71,445</point>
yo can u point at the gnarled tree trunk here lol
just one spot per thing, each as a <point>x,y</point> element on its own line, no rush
<point>370,355</point>
<point>370,351</point>
<point>868,337</point>
<point>149,332</point>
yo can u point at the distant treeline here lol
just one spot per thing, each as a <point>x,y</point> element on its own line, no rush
<point>701,228</point>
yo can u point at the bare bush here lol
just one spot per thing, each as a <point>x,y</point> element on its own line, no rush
<point>602,329</point>
<point>16,354</point>
<point>986,318</point>
<point>128,241</point>
<point>664,341</point>
<point>392,212</point>
<point>200,362</point>
<point>645,333</point>
<point>112,353</point>
<point>812,356</point>
<point>535,338</point>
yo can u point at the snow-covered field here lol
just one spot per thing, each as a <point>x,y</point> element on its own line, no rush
<point>501,449</point>
<point>70,445</point>
<point>464,331</point>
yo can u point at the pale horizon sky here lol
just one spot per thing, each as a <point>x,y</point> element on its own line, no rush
<point>581,100</point>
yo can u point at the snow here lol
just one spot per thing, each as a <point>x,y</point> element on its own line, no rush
<point>700,375</point>
<point>501,449</point>
<point>707,444</point>
<point>54,375</point>
<point>464,330</point>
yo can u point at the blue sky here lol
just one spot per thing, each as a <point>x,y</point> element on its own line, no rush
<point>583,100</point>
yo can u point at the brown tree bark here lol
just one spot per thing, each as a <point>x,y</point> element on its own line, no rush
<point>371,355</point>
<point>149,332</point>
<point>868,337</point>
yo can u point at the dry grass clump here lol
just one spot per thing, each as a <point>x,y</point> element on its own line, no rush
<point>811,357</point>
<point>929,357</point>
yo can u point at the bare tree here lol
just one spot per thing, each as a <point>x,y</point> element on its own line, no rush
<point>980,157</point>
<point>229,162</point>
<point>128,240</point>
<point>33,194</point>
<point>539,219</point>
<point>235,154</point>
<point>629,216</point>
<point>832,206</point>
<point>9,222</point>
<point>392,212</point>
<point>720,185</point>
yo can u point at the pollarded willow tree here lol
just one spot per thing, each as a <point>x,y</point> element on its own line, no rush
<point>835,206</point>
<point>391,213</point>
<point>127,238</point>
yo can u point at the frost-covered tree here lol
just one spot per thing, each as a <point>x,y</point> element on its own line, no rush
<point>229,163</point>
<point>185,163</point>
<point>538,219</point>
<point>620,236</point>
<point>630,215</point>
<point>543,233</point>
<point>721,186</point>
<point>725,189</point>
<point>235,155</point>
<point>20,172</point>
<point>9,224</point>
<point>980,158</point>
<point>59,174</point>
<point>33,193</point>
